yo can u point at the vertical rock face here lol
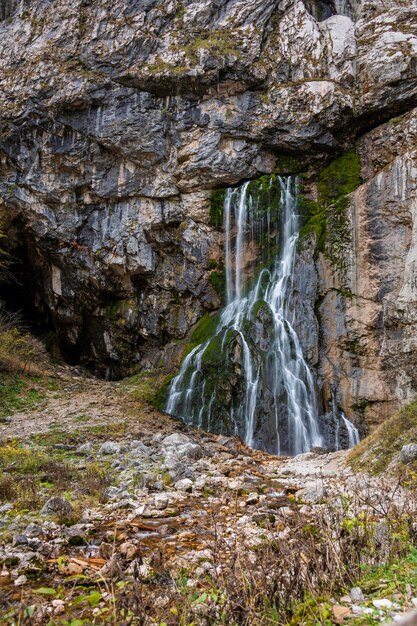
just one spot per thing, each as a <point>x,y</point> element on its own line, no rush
<point>117,125</point>
<point>369,309</point>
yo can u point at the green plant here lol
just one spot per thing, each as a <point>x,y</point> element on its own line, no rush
<point>18,393</point>
<point>216,207</point>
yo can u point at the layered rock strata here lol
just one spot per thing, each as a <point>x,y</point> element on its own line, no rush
<point>118,122</point>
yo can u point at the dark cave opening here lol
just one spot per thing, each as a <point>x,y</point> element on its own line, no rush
<point>323,9</point>
<point>73,325</point>
<point>20,294</point>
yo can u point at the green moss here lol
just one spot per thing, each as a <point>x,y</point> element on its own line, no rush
<point>217,278</point>
<point>159,66</point>
<point>218,42</point>
<point>159,398</point>
<point>266,193</point>
<point>314,221</point>
<point>341,177</point>
<point>327,217</point>
<point>216,207</point>
<point>19,394</point>
<point>287,165</point>
<point>213,354</point>
<point>259,306</point>
<point>205,328</point>
<point>117,310</point>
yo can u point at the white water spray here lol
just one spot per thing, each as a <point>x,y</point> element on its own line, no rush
<point>250,377</point>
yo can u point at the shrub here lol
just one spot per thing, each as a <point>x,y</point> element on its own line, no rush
<point>18,349</point>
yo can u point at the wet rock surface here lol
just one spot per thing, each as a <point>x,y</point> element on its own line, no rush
<point>117,125</point>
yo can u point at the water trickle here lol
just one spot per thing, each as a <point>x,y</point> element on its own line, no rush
<point>346,435</point>
<point>250,378</point>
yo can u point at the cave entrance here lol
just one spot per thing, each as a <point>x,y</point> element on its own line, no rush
<point>20,291</point>
<point>323,9</point>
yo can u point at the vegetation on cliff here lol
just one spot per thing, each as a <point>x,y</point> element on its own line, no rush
<point>327,217</point>
<point>381,449</point>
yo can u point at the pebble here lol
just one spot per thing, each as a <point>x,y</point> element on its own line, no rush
<point>20,540</point>
<point>312,493</point>
<point>20,581</point>
<point>356,595</point>
<point>33,530</point>
<point>253,498</point>
<point>409,453</point>
<point>85,448</point>
<point>57,506</point>
<point>112,492</point>
<point>383,604</point>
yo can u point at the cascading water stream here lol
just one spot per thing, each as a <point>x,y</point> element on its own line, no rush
<point>250,378</point>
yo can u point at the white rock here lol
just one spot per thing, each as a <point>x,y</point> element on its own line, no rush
<point>184,485</point>
<point>383,604</point>
<point>356,595</point>
<point>110,447</point>
<point>252,498</point>
<point>314,492</point>
<point>179,446</point>
<point>85,448</point>
<point>409,453</point>
<point>22,580</point>
<point>161,502</point>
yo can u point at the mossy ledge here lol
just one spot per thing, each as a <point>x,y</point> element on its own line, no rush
<point>327,217</point>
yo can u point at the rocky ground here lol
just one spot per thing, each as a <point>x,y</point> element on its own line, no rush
<point>112,512</point>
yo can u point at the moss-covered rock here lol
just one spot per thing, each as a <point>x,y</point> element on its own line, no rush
<point>217,207</point>
<point>217,278</point>
<point>327,217</point>
<point>341,177</point>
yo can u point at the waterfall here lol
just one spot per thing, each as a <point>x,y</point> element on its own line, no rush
<point>352,432</point>
<point>346,435</point>
<point>250,378</point>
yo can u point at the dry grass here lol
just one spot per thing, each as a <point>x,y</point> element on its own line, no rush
<point>289,580</point>
<point>375,453</point>
<point>19,350</point>
<point>95,482</point>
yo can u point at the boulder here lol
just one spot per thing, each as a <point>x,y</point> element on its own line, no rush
<point>110,447</point>
<point>57,506</point>
<point>85,449</point>
<point>178,446</point>
<point>356,595</point>
<point>409,453</point>
<point>184,485</point>
<point>162,501</point>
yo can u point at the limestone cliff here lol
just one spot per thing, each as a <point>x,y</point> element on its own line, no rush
<point>117,120</point>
